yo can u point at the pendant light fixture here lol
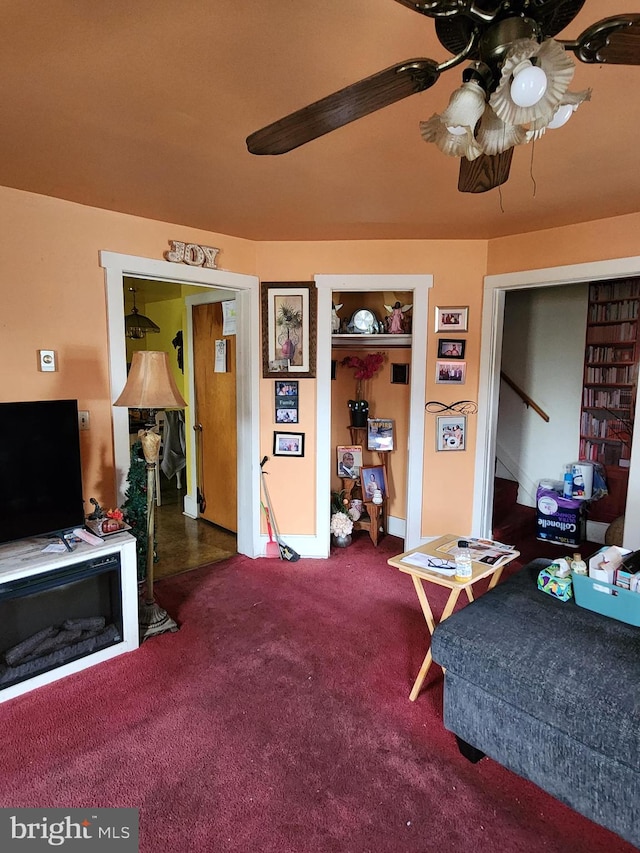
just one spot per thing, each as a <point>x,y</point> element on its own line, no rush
<point>136,325</point>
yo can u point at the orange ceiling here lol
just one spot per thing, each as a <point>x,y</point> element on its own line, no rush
<point>144,107</point>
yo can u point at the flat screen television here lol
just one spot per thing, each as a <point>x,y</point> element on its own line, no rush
<point>40,469</point>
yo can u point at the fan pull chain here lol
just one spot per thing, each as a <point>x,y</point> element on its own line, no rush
<point>533,151</point>
<point>500,197</point>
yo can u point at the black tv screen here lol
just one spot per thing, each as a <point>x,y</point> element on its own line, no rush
<point>40,469</point>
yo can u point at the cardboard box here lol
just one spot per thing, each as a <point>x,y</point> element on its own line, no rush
<point>559,520</point>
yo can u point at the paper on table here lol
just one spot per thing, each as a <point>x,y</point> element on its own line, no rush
<point>483,551</point>
<point>431,564</point>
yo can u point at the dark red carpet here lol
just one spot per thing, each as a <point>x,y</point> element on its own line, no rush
<point>278,720</point>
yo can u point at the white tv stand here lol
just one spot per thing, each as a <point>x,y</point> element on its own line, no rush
<point>24,559</point>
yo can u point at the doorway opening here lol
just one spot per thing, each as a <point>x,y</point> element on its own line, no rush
<point>419,286</point>
<point>496,288</point>
<point>245,290</point>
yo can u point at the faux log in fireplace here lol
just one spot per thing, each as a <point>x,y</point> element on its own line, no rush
<point>60,614</point>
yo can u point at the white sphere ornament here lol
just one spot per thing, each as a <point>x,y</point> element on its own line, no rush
<point>377,497</point>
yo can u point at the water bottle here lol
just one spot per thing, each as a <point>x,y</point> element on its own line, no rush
<point>568,485</point>
<point>463,561</point>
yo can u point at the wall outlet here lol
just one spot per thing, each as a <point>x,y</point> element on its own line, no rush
<point>83,420</point>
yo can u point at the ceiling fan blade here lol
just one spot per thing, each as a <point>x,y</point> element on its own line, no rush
<point>485,172</point>
<point>614,41</point>
<point>353,102</point>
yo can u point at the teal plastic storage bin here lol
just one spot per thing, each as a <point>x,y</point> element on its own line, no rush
<point>607,599</point>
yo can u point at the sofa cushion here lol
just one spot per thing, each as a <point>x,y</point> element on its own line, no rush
<point>575,669</point>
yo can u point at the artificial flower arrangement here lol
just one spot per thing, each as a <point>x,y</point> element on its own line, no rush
<point>363,368</point>
<point>341,522</point>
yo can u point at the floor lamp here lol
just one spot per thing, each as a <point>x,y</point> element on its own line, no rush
<point>150,385</point>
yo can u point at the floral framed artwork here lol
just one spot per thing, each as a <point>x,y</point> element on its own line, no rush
<point>452,319</point>
<point>451,372</point>
<point>450,349</point>
<point>373,477</point>
<point>289,329</point>
<point>451,433</point>
<point>288,444</point>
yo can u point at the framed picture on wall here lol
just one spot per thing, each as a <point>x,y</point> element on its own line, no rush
<point>288,444</point>
<point>451,433</point>
<point>286,401</point>
<point>452,319</point>
<point>451,372</point>
<point>289,324</point>
<point>450,349</point>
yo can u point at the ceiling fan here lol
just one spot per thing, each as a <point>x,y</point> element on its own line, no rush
<point>515,87</point>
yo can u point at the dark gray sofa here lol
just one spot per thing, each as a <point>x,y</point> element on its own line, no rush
<point>551,691</point>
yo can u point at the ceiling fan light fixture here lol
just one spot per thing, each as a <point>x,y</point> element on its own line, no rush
<point>457,142</point>
<point>495,136</point>
<point>551,59</point>
<point>568,105</point>
<point>466,106</point>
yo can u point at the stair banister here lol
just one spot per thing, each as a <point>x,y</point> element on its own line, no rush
<point>526,399</point>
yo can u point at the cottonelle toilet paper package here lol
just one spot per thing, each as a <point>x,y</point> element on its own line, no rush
<point>559,520</point>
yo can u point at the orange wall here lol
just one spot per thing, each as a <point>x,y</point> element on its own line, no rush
<point>575,244</point>
<point>458,268</point>
<point>53,296</point>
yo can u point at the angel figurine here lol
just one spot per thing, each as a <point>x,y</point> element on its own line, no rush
<point>395,320</point>
<point>335,320</point>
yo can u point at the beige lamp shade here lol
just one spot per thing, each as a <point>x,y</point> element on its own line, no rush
<point>150,384</point>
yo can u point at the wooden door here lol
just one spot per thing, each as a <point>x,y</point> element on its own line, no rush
<point>215,411</point>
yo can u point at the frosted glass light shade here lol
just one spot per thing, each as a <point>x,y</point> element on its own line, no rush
<point>466,105</point>
<point>494,136</point>
<point>455,144</point>
<point>568,105</point>
<point>552,59</point>
<point>529,84</point>
<point>452,131</point>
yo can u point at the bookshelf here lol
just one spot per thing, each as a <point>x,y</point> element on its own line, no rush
<point>609,387</point>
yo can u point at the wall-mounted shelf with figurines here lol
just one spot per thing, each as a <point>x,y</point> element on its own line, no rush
<point>362,327</point>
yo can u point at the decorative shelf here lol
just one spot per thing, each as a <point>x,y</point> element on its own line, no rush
<point>370,341</point>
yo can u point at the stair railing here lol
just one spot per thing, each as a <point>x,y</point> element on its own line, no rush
<point>526,399</point>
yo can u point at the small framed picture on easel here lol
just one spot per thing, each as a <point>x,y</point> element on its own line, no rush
<point>380,434</point>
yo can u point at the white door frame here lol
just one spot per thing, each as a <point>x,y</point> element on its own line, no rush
<point>328,284</point>
<point>247,291</point>
<point>495,287</point>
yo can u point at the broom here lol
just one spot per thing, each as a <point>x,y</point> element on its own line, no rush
<point>286,552</point>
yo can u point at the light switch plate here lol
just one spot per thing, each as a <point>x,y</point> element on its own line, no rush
<point>47,360</point>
